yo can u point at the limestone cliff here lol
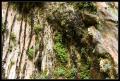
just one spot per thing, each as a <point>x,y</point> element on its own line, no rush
<point>59,40</point>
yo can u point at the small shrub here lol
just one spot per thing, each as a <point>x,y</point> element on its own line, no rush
<point>60,49</point>
<point>39,75</point>
<point>59,72</point>
<point>85,72</point>
<point>30,53</point>
<point>61,52</point>
<point>58,37</point>
<point>64,72</point>
<point>37,28</point>
<point>71,73</point>
<point>85,6</point>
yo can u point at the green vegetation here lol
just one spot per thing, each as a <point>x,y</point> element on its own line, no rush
<point>85,6</point>
<point>65,73</point>
<point>74,49</point>
<point>30,53</point>
<point>85,71</point>
<point>19,6</point>
<point>86,63</point>
<point>60,49</point>
<point>39,75</point>
<point>37,28</point>
<point>26,7</point>
<point>60,71</point>
<point>86,51</point>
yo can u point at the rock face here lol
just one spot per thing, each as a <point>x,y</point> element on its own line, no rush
<point>47,53</point>
<point>29,41</point>
<point>108,36</point>
<point>13,58</point>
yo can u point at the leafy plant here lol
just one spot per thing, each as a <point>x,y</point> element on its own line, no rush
<point>65,72</point>
<point>85,72</point>
<point>85,6</point>
<point>39,75</point>
<point>30,53</point>
<point>61,52</point>
<point>37,28</point>
<point>71,73</point>
<point>58,37</point>
<point>60,71</point>
<point>60,49</point>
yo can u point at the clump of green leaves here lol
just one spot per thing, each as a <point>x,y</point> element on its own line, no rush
<point>37,28</point>
<point>85,72</point>
<point>71,73</point>
<point>39,75</point>
<point>60,71</point>
<point>86,63</point>
<point>30,53</point>
<point>60,49</point>
<point>85,6</point>
<point>64,72</point>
